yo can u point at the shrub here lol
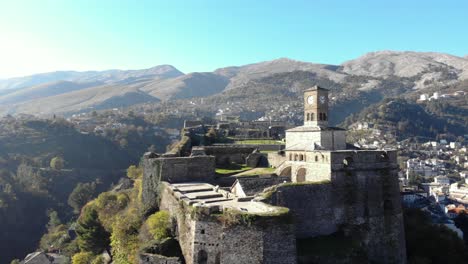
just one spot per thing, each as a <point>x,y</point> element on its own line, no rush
<point>82,258</point>
<point>124,239</point>
<point>98,260</point>
<point>57,163</point>
<point>159,225</point>
<point>134,172</point>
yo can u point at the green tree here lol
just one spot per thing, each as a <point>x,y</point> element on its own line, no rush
<point>124,239</point>
<point>82,194</point>
<point>159,225</point>
<point>98,260</point>
<point>82,258</point>
<point>30,180</point>
<point>54,220</point>
<point>134,172</point>
<point>57,163</point>
<point>92,237</point>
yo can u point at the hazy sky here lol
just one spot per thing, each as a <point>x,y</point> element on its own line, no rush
<point>45,35</point>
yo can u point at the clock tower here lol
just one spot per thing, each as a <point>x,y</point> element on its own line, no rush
<point>316,107</point>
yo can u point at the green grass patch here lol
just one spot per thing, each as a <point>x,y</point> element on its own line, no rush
<point>305,183</point>
<point>258,171</point>
<point>232,169</point>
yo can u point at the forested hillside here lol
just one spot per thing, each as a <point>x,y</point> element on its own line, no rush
<point>431,119</point>
<point>49,167</point>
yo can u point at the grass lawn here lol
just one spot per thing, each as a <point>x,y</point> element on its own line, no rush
<point>257,171</point>
<point>260,142</point>
<point>233,168</point>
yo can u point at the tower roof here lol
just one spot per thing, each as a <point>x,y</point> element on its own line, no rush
<point>316,87</point>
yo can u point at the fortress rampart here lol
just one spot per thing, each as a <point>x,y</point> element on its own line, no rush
<point>212,228</point>
<point>173,169</point>
<point>352,191</point>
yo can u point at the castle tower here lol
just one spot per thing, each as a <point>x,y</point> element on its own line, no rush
<point>315,134</point>
<point>316,107</point>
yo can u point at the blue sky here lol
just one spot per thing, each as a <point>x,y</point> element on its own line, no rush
<point>49,35</point>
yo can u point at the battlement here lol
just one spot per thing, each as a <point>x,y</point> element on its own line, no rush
<point>363,159</point>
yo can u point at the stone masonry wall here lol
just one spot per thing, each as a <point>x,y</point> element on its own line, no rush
<point>361,197</point>
<point>311,206</point>
<point>173,169</point>
<point>209,239</point>
<point>185,226</point>
<point>276,159</point>
<point>225,154</point>
<point>328,139</point>
<point>157,259</point>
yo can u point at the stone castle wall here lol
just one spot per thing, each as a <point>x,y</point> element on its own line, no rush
<point>362,195</point>
<point>318,165</point>
<point>173,169</point>
<point>275,159</point>
<point>226,154</point>
<point>157,259</point>
<point>217,242</point>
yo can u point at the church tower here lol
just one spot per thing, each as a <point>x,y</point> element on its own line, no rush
<point>316,107</point>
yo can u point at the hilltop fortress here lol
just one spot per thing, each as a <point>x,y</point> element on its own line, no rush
<point>327,202</point>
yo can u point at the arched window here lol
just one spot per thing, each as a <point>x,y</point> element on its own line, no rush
<point>316,158</point>
<point>202,257</point>
<point>311,116</point>
<point>296,157</point>
<point>324,116</point>
<point>218,258</point>
<point>290,156</point>
<point>301,175</point>
<point>301,157</point>
<point>308,116</point>
<point>286,172</point>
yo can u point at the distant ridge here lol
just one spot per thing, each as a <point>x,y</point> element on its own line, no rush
<point>381,73</point>
<point>161,71</point>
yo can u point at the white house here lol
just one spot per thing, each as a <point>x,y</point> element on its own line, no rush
<point>443,180</point>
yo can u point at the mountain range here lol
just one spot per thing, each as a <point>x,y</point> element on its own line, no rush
<point>383,72</point>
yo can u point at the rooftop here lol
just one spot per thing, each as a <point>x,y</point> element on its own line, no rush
<point>315,88</point>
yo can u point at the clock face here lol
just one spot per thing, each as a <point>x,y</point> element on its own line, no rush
<point>310,100</point>
<point>322,99</point>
